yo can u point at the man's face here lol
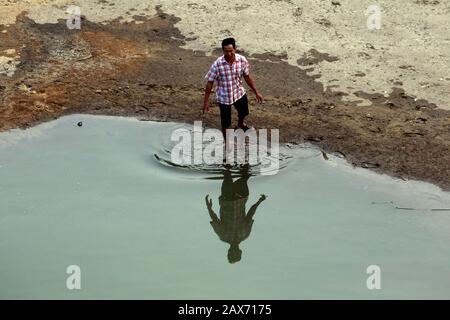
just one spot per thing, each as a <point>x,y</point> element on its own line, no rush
<point>229,51</point>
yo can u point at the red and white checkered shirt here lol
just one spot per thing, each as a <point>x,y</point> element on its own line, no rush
<point>229,81</point>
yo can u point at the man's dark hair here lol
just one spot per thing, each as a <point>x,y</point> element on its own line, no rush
<point>228,41</point>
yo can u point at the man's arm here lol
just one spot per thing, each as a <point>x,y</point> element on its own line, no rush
<point>210,210</point>
<point>251,84</point>
<point>253,208</point>
<point>208,88</point>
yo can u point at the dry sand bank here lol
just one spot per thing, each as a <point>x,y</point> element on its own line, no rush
<point>410,51</point>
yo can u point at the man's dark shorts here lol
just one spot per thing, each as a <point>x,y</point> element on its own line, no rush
<point>241,106</point>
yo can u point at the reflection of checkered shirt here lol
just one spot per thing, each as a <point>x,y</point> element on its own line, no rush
<point>234,226</point>
<point>229,82</point>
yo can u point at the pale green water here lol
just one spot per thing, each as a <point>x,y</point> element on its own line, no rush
<point>95,196</point>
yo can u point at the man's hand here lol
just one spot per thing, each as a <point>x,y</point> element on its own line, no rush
<point>208,202</point>
<point>208,89</point>
<point>259,97</point>
<point>251,84</point>
<point>206,107</point>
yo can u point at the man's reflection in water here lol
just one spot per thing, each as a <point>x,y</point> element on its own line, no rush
<point>234,224</point>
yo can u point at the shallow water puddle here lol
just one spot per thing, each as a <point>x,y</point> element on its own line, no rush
<point>96,196</point>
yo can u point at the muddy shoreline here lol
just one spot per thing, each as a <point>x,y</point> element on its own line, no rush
<point>140,70</point>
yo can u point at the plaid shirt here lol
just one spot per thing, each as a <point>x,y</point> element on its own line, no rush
<point>229,82</point>
<point>234,225</point>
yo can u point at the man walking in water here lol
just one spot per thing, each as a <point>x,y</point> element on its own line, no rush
<point>227,70</point>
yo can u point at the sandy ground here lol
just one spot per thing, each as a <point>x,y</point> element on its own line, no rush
<point>377,97</point>
<point>411,50</point>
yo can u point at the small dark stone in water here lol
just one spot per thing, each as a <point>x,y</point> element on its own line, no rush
<point>80,124</point>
